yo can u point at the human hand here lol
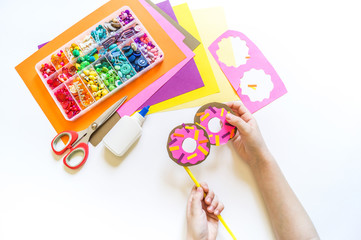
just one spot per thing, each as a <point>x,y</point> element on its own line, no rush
<point>202,220</point>
<point>248,141</point>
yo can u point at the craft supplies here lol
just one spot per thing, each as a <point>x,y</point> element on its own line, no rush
<point>110,49</point>
<point>170,47</point>
<point>78,141</point>
<point>125,132</point>
<point>189,144</point>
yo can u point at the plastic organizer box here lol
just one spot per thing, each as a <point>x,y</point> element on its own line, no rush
<point>98,62</point>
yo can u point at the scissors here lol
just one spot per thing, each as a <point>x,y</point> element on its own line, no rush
<point>78,141</point>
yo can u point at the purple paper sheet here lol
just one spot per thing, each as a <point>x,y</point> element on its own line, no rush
<point>167,8</point>
<point>185,80</point>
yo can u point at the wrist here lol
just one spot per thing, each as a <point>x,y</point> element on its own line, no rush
<point>262,160</point>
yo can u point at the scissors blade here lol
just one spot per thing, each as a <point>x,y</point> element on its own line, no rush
<point>108,113</point>
<point>84,135</point>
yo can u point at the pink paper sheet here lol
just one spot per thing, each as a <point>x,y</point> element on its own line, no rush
<point>133,104</point>
<point>257,61</point>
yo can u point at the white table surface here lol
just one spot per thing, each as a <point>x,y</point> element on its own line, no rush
<point>313,131</point>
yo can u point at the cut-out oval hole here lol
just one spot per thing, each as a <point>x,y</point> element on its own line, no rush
<point>215,125</point>
<point>189,145</point>
<point>233,51</point>
<point>58,143</point>
<point>75,157</point>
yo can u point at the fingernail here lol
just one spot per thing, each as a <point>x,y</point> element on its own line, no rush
<point>208,200</point>
<point>210,208</point>
<point>228,116</point>
<point>199,189</point>
<point>216,212</point>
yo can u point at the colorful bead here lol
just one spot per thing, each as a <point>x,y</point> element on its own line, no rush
<point>67,102</point>
<point>135,58</point>
<point>112,25</point>
<point>125,17</point>
<point>68,71</point>
<point>47,69</point>
<point>107,73</point>
<point>99,34</point>
<point>150,51</point>
<point>94,83</point>
<point>80,92</point>
<point>73,51</point>
<point>121,65</point>
<point>59,60</point>
<point>54,81</point>
<point>87,43</point>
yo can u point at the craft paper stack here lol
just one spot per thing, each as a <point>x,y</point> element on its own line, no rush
<point>188,76</point>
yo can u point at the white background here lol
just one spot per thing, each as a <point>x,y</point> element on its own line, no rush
<point>313,131</point>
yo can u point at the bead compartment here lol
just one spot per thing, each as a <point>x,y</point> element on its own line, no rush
<point>80,92</point>
<point>96,51</point>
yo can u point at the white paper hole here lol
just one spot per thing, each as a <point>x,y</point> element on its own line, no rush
<point>256,84</point>
<point>58,143</point>
<point>215,125</point>
<point>76,157</point>
<point>233,51</point>
<point>189,145</point>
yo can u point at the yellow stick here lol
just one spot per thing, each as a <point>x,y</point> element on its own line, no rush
<point>219,216</point>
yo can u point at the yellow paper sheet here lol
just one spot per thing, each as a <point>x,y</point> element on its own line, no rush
<point>185,19</point>
<point>210,28</point>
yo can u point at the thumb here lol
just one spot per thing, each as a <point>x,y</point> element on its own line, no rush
<point>238,122</point>
<point>196,204</point>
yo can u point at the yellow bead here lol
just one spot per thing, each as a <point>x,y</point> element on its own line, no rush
<point>94,88</point>
<point>93,73</point>
<point>91,77</point>
<point>104,92</point>
<point>91,83</point>
<point>97,98</point>
<point>86,72</point>
<point>77,65</point>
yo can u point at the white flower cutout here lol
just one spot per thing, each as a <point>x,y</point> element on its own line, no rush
<point>233,51</point>
<point>256,84</point>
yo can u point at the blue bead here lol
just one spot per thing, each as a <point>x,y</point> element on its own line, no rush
<point>131,58</point>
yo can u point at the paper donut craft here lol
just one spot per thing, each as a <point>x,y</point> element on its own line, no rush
<point>200,134</point>
<point>219,111</point>
<point>175,144</point>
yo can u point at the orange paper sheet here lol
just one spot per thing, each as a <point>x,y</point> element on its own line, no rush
<point>172,56</point>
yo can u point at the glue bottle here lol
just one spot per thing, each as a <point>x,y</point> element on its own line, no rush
<point>125,132</point>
